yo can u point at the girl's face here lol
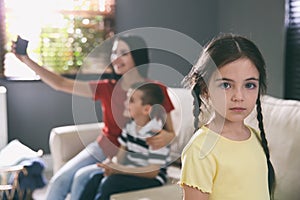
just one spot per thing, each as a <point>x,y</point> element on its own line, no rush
<point>121,57</point>
<point>233,90</point>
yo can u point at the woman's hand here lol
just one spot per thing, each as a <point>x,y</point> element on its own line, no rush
<point>19,56</point>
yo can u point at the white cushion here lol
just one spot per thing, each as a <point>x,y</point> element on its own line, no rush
<point>182,118</point>
<point>282,127</point>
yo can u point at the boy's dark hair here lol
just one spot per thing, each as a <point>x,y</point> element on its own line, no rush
<point>152,93</point>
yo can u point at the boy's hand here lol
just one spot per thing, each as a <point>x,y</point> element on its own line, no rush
<point>109,168</point>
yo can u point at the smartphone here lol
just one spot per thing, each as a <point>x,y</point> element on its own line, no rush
<point>21,46</point>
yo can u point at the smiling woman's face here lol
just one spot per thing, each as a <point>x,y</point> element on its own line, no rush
<point>233,90</point>
<point>121,57</point>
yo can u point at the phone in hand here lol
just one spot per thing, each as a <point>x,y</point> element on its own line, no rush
<point>21,46</point>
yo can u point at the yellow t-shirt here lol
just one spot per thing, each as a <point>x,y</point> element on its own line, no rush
<point>227,169</point>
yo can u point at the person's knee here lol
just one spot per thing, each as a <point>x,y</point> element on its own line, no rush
<point>81,174</point>
<point>109,182</point>
<point>86,173</point>
<point>61,180</point>
<point>109,185</point>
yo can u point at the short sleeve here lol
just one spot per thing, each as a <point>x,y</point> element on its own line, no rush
<point>101,88</point>
<point>197,171</point>
<point>168,105</point>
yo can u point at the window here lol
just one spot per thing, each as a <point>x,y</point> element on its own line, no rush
<point>61,33</point>
<point>292,58</point>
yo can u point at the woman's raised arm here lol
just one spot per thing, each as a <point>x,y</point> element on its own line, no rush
<point>54,80</point>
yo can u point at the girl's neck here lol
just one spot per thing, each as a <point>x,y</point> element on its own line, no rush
<point>232,130</point>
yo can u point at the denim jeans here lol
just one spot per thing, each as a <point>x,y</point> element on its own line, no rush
<point>74,175</point>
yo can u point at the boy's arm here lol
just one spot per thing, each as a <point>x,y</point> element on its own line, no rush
<point>120,157</point>
<point>116,166</point>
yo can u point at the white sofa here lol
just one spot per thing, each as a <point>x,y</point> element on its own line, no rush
<point>282,126</point>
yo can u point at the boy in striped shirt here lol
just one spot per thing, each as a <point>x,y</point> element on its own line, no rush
<point>136,164</point>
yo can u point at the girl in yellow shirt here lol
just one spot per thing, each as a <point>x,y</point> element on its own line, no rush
<point>226,159</point>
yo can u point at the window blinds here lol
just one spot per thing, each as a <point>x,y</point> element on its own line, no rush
<point>292,57</point>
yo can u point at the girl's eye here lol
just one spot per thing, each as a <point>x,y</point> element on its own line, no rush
<point>225,85</point>
<point>250,85</point>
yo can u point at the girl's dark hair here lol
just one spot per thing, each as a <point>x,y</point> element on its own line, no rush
<point>139,51</point>
<point>220,51</point>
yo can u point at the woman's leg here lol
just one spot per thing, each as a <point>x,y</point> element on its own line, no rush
<point>61,183</point>
<point>123,183</point>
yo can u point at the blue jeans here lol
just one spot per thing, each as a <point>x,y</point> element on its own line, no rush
<point>74,175</point>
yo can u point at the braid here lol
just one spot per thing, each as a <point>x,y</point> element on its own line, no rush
<point>264,143</point>
<point>197,103</point>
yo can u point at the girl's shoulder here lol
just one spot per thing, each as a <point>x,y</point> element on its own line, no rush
<point>254,131</point>
<point>203,140</point>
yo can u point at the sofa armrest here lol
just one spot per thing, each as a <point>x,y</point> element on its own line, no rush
<point>67,141</point>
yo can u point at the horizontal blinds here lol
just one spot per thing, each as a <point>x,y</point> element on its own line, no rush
<point>292,58</point>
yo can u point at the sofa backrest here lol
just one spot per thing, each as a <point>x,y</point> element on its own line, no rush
<point>282,126</point>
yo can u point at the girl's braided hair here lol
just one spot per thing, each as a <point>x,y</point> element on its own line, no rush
<point>220,51</point>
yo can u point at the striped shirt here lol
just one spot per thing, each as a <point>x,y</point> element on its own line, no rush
<point>139,153</point>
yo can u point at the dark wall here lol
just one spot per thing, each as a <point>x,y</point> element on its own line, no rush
<point>264,23</point>
<point>192,19</point>
<point>195,18</point>
<point>34,109</point>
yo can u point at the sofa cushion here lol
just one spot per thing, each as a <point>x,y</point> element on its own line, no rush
<point>282,126</point>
